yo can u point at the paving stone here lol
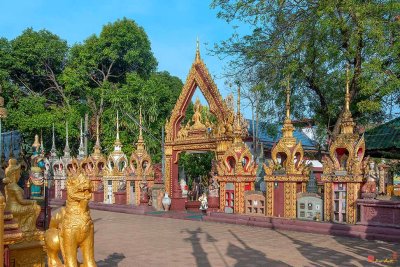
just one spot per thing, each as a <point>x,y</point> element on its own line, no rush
<point>138,240</point>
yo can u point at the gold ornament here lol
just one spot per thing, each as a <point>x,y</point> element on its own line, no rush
<point>72,227</point>
<point>23,210</point>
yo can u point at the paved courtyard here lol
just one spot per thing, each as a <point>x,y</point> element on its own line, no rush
<point>135,240</point>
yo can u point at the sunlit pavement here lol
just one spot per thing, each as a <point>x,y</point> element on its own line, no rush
<point>138,240</point>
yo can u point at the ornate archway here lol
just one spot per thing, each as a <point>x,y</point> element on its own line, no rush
<point>198,134</point>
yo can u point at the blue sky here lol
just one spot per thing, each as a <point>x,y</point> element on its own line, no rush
<point>172,27</point>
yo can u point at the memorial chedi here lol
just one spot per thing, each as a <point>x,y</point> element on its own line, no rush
<point>287,173</point>
<point>343,169</point>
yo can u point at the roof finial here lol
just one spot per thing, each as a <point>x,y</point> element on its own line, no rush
<point>288,99</point>
<point>66,148</point>
<point>347,96</point>
<point>81,150</point>
<point>238,101</point>
<point>53,151</point>
<point>140,124</point>
<point>117,126</point>
<point>97,131</point>
<point>197,58</point>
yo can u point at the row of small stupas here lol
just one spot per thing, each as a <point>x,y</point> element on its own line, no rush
<point>109,173</point>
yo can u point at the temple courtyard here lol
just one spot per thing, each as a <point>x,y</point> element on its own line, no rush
<point>141,240</point>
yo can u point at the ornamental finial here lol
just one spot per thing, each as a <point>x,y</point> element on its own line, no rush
<point>53,150</point>
<point>117,126</point>
<point>81,150</point>
<point>288,99</point>
<point>347,96</point>
<point>66,148</point>
<point>140,125</point>
<point>197,58</point>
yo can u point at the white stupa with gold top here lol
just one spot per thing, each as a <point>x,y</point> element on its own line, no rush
<point>114,178</point>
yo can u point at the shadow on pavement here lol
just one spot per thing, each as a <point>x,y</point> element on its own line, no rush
<point>198,252</point>
<point>111,260</point>
<point>248,256</point>
<point>323,256</point>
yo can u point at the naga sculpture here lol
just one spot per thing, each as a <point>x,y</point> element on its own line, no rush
<point>25,211</point>
<point>72,227</point>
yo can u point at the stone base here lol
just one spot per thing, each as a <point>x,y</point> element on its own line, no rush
<point>178,204</point>
<point>27,254</point>
<point>213,204</point>
<point>192,205</point>
<point>98,196</point>
<point>120,198</point>
<point>379,212</point>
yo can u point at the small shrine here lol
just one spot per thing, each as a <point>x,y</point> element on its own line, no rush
<point>287,173</point>
<point>94,167</point>
<point>114,179</point>
<point>343,170</point>
<point>236,171</point>
<point>140,172</point>
<point>60,167</point>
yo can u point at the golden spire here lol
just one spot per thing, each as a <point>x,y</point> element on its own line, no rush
<point>140,125</point>
<point>140,143</point>
<point>197,58</point>
<point>287,129</point>
<point>288,99</point>
<point>97,148</point>
<point>117,143</point>
<point>347,96</point>
<point>347,124</point>
<point>238,127</point>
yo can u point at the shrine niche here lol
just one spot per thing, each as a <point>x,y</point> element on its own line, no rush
<point>140,172</point>
<point>114,179</point>
<point>236,172</point>
<point>343,170</point>
<point>198,134</point>
<point>287,173</point>
<point>94,167</point>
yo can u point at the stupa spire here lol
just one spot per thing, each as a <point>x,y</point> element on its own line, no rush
<point>81,150</point>
<point>197,58</point>
<point>288,99</point>
<point>67,151</point>
<point>53,151</point>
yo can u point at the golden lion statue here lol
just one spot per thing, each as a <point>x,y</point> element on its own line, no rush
<point>72,227</point>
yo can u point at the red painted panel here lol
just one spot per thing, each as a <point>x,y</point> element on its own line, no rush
<point>279,199</point>
<point>247,187</point>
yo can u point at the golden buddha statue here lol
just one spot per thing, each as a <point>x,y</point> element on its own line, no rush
<point>25,211</point>
<point>196,119</point>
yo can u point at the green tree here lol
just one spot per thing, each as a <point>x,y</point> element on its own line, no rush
<point>312,41</point>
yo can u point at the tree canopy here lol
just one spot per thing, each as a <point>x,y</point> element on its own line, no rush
<point>45,81</point>
<point>311,42</point>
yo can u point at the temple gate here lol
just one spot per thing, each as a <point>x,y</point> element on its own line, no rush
<point>200,135</point>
